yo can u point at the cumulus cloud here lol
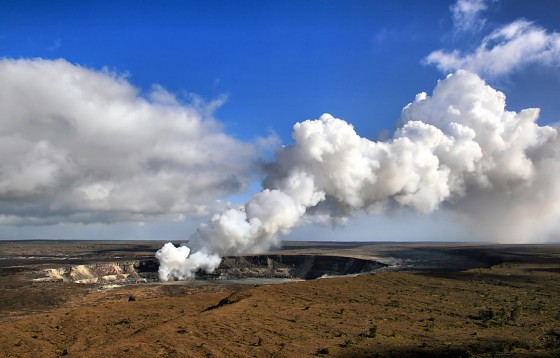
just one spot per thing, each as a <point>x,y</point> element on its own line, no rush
<point>509,193</point>
<point>466,14</point>
<point>458,149</point>
<point>506,49</point>
<point>80,145</point>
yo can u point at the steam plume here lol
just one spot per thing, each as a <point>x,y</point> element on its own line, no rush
<point>458,149</point>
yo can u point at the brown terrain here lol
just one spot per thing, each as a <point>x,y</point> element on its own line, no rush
<point>447,300</point>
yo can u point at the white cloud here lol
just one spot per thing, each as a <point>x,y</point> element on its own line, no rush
<point>503,51</point>
<point>507,190</point>
<point>80,145</point>
<point>466,14</point>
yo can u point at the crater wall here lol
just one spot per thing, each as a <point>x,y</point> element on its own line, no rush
<point>305,267</point>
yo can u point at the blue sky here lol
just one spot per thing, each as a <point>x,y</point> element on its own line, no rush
<point>276,63</point>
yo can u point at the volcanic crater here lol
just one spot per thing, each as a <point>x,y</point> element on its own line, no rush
<point>302,266</point>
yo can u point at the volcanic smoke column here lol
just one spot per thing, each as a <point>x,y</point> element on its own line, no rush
<point>459,150</point>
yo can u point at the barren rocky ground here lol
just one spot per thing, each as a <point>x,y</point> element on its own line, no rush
<point>507,306</point>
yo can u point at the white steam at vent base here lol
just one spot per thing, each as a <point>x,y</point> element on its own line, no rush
<point>177,262</point>
<point>458,150</point>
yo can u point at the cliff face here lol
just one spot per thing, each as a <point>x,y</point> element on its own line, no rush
<point>96,273</point>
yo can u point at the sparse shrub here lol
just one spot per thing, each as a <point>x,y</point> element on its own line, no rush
<point>431,325</point>
<point>347,343</point>
<point>372,333</point>
<point>487,314</point>
<point>182,330</point>
<point>457,353</point>
<point>522,344</point>
<point>499,347</point>
<point>61,352</point>
<point>515,313</point>
<point>501,315</point>
<point>552,340</point>
<point>122,322</point>
<point>323,351</point>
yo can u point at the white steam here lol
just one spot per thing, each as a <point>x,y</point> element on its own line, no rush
<point>85,146</point>
<point>176,262</point>
<point>458,149</point>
